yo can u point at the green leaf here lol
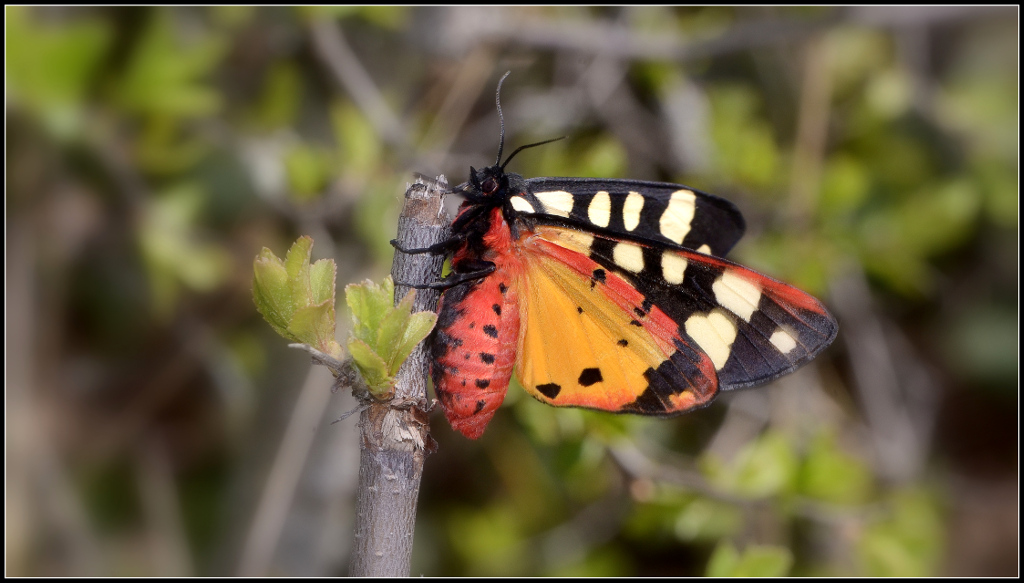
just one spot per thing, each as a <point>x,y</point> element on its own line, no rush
<point>174,250</point>
<point>756,561</point>
<point>371,366</point>
<point>907,542</point>
<point>281,97</point>
<point>830,475</point>
<point>270,291</point>
<point>50,66</point>
<point>165,76</point>
<point>369,303</point>
<point>489,540</point>
<point>359,144</point>
<point>417,329</point>
<point>765,467</point>
<point>723,560</point>
<point>705,519</point>
<point>390,332</point>
<point>297,299</point>
<point>314,325</point>
<point>296,262</point>
<point>744,141</point>
<point>321,280</point>
<point>167,147</point>
<point>308,169</point>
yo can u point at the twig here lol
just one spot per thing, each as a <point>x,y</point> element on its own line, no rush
<point>635,464</point>
<point>162,508</point>
<point>346,69</point>
<point>283,479</point>
<point>622,42</point>
<point>394,436</point>
<point>812,132</point>
<point>899,447</point>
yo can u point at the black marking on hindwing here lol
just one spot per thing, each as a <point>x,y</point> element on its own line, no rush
<point>590,376</point>
<point>550,390</point>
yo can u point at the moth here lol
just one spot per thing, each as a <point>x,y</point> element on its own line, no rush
<point>605,294</point>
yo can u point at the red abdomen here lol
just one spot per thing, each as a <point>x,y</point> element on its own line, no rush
<point>474,351</point>
<point>474,346</point>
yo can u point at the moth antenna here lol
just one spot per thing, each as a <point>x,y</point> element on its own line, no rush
<point>521,148</point>
<point>501,119</point>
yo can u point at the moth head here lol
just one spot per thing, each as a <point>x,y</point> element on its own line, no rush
<point>488,183</point>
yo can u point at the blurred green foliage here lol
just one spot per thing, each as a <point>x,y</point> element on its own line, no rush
<point>173,254</point>
<point>50,68</point>
<point>152,152</point>
<point>756,561</point>
<point>165,77</point>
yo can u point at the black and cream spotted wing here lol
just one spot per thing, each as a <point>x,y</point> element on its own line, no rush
<point>657,212</point>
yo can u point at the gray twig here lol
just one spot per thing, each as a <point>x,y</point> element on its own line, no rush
<point>394,436</point>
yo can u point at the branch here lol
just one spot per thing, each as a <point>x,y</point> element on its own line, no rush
<point>394,436</point>
<point>330,46</point>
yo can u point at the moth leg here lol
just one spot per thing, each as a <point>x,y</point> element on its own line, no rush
<point>479,269</point>
<point>442,248</point>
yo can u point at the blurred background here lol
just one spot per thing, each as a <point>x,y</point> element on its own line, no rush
<point>157,426</point>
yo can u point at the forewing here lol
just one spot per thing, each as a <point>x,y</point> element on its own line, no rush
<point>656,212</point>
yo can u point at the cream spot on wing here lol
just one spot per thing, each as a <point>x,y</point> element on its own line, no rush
<point>675,221</point>
<point>600,210</point>
<point>629,257</point>
<point>705,249</point>
<point>522,205</point>
<point>714,333</point>
<point>631,210</point>
<point>576,240</point>
<point>556,202</point>
<point>673,267</point>
<point>737,294</point>
<point>783,340</point>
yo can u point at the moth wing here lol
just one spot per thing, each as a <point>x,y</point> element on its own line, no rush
<point>657,212</point>
<point>753,328</point>
<point>583,344</point>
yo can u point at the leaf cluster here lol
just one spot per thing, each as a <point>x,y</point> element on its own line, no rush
<point>297,298</point>
<point>383,334</point>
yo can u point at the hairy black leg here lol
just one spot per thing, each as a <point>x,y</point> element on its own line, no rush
<point>442,248</point>
<point>481,269</point>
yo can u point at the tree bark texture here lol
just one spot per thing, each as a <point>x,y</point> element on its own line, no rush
<point>395,435</point>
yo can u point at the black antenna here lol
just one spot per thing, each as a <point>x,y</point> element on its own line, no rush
<point>501,119</point>
<point>521,148</point>
<point>501,140</point>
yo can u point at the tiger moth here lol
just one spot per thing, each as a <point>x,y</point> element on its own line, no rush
<point>605,294</point>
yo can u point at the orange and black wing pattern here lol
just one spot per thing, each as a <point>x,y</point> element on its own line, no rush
<point>608,295</point>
